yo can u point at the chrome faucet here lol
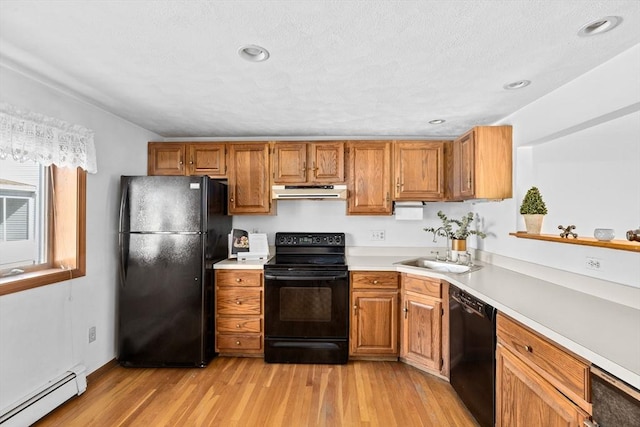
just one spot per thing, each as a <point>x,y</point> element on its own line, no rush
<point>435,235</point>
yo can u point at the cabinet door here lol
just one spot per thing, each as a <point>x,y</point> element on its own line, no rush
<point>422,331</point>
<point>464,153</point>
<point>524,398</point>
<point>327,162</point>
<point>419,170</point>
<point>290,162</point>
<point>207,159</point>
<point>165,159</point>
<point>369,178</point>
<point>374,323</point>
<point>249,179</point>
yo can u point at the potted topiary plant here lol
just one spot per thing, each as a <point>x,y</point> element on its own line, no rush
<point>533,210</point>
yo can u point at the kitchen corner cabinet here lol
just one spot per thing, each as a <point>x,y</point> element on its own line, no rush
<point>423,316</point>
<point>374,315</point>
<point>537,381</point>
<point>482,164</point>
<point>249,185</point>
<point>369,182</point>
<point>198,158</point>
<point>308,162</point>
<point>419,170</point>
<point>239,312</point>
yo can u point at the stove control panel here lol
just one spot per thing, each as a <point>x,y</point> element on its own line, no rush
<point>310,239</point>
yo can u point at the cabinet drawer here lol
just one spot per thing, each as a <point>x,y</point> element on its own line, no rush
<point>563,369</point>
<point>238,325</point>
<point>231,301</point>
<point>238,278</point>
<point>374,280</point>
<point>422,285</point>
<point>239,342</point>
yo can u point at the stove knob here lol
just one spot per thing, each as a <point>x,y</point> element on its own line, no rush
<point>281,240</point>
<point>330,239</point>
<point>338,240</point>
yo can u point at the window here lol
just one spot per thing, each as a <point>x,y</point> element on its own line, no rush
<point>23,230</point>
<point>41,224</point>
<point>42,198</point>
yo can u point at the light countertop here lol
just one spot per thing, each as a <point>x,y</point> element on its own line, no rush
<point>602,331</point>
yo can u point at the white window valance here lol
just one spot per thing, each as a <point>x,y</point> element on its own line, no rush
<point>25,135</point>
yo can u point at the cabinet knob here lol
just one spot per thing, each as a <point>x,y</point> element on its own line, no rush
<point>528,348</point>
<point>238,343</point>
<point>375,282</point>
<point>238,279</point>
<point>238,302</point>
<point>355,308</point>
<point>238,325</point>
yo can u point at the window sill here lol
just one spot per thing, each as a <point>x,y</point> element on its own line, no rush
<point>22,282</point>
<point>623,245</point>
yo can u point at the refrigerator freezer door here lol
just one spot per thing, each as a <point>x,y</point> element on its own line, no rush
<point>161,300</point>
<point>162,204</point>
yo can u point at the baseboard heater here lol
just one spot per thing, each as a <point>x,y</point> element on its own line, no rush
<point>46,399</point>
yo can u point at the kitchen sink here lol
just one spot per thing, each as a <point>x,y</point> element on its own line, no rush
<point>440,266</point>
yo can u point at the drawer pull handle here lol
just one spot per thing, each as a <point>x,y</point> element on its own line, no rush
<point>238,280</point>
<point>375,282</point>
<point>238,302</point>
<point>238,342</point>
<point>238,325</point>
<point>528,349</point>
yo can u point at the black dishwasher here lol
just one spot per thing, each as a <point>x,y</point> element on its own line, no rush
<point>472,336</point>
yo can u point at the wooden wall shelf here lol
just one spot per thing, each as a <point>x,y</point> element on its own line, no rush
<point>623,245</point>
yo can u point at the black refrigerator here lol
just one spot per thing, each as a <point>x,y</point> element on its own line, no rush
<point>171,231</point>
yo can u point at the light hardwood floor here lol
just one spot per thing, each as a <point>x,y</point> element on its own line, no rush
<point>249,392</point>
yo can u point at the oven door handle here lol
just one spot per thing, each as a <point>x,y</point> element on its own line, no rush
<point>340,276</point>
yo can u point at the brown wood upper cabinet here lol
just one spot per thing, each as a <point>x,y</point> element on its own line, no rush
<point>183,158</point>
<point>369,182</point>
<point>249,186</point>
<point>308,162</point>
<point>481,164</point>
<point>418,170</point>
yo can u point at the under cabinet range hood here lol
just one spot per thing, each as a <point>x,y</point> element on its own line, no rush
<point>296,192</point>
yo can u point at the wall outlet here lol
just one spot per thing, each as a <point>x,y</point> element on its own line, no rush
<point>377,235</point>
<point>92,334</point>
<point>593,263</point>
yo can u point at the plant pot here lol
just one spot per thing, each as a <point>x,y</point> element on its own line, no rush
<point>458,246</point>
<point>533,223</point>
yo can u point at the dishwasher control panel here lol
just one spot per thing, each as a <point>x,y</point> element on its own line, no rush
<point>468,301</point>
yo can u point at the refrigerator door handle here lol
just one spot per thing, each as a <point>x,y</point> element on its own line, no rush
<point>123,248</point>
<point>123,203</point>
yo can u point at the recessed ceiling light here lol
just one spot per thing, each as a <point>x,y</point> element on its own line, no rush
<point>517,85</point>
<point>600,26</point>
<point>436,122</point>
<point>253,53</point>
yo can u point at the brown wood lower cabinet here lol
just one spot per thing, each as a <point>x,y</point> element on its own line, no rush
<point>534,378</point>
<point>239,312</point>
<point>374,315</point>
<point>422,324</point>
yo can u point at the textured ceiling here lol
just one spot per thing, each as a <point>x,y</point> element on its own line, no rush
<point>337,68</point>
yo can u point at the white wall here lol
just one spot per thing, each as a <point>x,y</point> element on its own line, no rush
<point>44,331</point>
<point>580,145</point>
